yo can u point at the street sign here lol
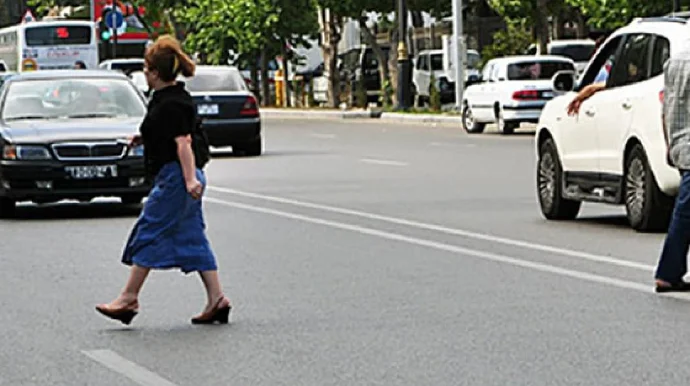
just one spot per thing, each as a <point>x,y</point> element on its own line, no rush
<point>114,19</point>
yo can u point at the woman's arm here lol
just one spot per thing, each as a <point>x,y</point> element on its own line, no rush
<point>583,95</point>
<point>186,156</point>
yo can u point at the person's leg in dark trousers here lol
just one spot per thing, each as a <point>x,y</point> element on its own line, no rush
<point>673,264</point>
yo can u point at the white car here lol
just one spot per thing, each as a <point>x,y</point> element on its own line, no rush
<point>614,150</point>
<point>430,63</point>
<point>579,51</point>
<point>510,91</point>
<point>125,65</point>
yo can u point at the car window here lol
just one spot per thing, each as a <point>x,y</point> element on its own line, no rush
<point>537,70</point>
<point>436,62</point>
<point>473,60</point>
<point>632,65</point>
<point>576,52</point>
<point>57,98</point>
<point>213,81</point>
<point>600,66</point>
<point>660,54</point>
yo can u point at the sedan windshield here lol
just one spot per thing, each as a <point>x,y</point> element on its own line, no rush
<point>214,81</point>
<point>72,98</point>
<point>537,70</point>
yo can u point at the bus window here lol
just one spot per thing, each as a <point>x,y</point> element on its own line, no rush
<point>57,35</point>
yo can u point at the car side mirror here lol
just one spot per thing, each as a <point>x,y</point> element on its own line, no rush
<point>564,81</point>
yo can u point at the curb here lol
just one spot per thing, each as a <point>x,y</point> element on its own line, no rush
<point>367,114</point>
<point>314,114</point>
<point>420,118</point>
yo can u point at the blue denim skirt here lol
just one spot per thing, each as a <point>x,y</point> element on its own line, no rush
<point>170,232</point>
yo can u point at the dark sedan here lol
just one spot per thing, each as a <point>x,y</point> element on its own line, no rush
<point>63,135</point>
<point>228,110</point>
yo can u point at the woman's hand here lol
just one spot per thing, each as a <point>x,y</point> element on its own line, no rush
<point>195,189</point>
<point>134,140</point>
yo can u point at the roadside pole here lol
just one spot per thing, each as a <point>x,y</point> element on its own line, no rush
<point>459,53</point>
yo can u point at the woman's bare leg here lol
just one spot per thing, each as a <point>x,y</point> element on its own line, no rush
<point>214,290</point>
<point>130,293</point>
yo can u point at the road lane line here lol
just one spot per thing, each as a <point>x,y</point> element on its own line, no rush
<point>625,284</point>
<point>442,229</point>
<point>131,370</point>
<point>382,162</point>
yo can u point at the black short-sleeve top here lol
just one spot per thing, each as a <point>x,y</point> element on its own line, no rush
<point>171,113</point>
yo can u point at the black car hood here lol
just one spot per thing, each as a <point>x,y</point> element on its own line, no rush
<point>48,131</point>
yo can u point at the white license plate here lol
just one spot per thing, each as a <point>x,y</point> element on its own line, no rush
<point>92,171</point>
<point>208,109</point>
<point>547,94</point>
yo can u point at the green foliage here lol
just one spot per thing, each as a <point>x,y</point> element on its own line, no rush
<point>614,14</point>
<point>515,40</point>
<point>214,26</point>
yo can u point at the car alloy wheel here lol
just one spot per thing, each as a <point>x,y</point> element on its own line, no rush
<point>635,189</point>
<point>547,180</point>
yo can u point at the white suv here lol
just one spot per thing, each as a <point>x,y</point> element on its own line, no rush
<point>614,151</point>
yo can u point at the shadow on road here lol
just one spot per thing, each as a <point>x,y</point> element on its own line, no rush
<point>276,153</point>
<point>74,211</point>
<point>611,222</point>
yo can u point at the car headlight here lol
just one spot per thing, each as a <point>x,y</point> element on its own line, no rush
<point>136,151</point>
<point>25,152</point>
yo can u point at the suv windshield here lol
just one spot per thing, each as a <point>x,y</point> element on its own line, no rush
<point>204,81</point>
<point>576,52</point>
<point>54,98</point>
<point>473,60</point>
<point>537,70</point>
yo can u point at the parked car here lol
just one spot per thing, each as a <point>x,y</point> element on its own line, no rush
<point>125,65</point>
<point>614,151</point>
<point>511,90</point>
<point>579,50</point>
<point>228,110</point>
<point>63,135</point>
<point>430,63</point>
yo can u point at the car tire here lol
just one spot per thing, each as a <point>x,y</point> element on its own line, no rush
<point>648,208</point>
<point>550,186</point>
<point>252,149</point>
<point>505,127</point>
<point>469,123</point>
<point>8,207</point>
<point>132,199</point>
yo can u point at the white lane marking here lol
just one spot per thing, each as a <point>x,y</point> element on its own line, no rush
<point>322,136</point>
<point>450,248</point>
<point>447,230</point>
<point>131,370</point>
<point>382,162</point>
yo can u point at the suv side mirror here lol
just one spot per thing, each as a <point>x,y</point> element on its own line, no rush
<point>564,81</point>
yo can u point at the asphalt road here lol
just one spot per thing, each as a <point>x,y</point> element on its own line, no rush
<point>355,253</point>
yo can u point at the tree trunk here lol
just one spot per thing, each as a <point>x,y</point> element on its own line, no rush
<point>266,99</point>
<point>393,65</point>
<point>329,47</point>
<point>254,71</point>
<point>370,39</point>
<point>542,24</point>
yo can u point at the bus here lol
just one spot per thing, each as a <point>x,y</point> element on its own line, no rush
<point>49,45</point>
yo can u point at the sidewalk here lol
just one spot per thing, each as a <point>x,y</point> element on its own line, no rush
<point>362,114</point>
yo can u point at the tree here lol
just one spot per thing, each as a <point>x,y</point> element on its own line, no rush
<point>534,12</point>
<point>216,26</point>
<point>614,14</point>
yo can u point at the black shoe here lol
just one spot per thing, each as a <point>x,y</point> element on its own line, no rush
<point>680,286</point>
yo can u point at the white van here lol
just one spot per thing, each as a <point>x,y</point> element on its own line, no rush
<point>580,51</point>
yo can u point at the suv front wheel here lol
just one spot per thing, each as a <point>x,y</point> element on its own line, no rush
<point>550,185</point>
<point>647,207</point>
